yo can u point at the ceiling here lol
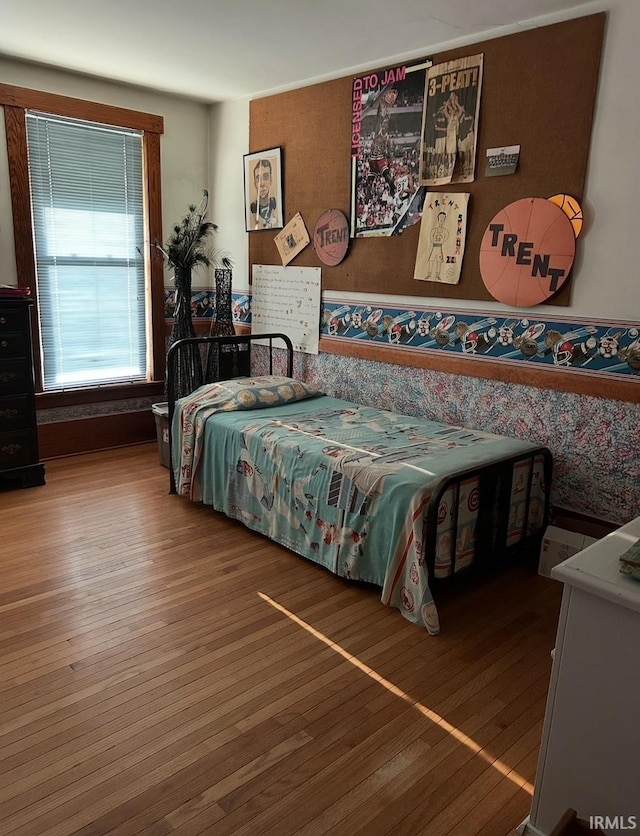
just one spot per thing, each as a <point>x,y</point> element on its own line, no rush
<point>215,50</point>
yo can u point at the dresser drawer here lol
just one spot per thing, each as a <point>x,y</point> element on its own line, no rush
<point>16,413</point>
<point>15,376</point>
<point>13,344</point>
<point>18,449</point>
<point>11,320</point>
<point>19,465</point>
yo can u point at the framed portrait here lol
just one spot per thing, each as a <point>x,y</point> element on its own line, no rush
<point>263,190</point>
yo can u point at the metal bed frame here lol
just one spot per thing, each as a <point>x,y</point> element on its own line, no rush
<point>232,358</point>
<point>211,359</point>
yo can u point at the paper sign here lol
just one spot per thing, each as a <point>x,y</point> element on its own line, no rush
<point>287,300</point>
<point>293,239</point>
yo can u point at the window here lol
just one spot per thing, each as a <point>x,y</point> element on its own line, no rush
<point>88,217</point>
<point>85,190</point>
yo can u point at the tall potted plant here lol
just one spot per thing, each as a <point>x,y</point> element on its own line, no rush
<point>188,248</point>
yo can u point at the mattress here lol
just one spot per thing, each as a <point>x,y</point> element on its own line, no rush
<point>371,495</point>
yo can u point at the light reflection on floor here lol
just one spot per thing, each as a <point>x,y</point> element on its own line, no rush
<point>460,736</point>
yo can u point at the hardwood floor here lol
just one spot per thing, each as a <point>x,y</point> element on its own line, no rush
<point>166,671</point>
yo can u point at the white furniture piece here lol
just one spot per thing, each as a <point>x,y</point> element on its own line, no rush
<point>590,751</point>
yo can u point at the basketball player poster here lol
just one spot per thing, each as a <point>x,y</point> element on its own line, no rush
<point>450,127</point>
<point>443,231</point>
<point>386,126</point>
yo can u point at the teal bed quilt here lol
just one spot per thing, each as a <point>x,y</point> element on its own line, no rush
<point>346,486</point>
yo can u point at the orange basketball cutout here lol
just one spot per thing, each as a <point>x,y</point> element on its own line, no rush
<point>572,210</point>
<point>331,237</point>
<point>527,252</point>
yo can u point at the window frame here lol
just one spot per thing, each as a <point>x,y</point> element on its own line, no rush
<point>17,101</point>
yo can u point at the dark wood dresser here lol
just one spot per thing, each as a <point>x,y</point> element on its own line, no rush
<point>20,466</point>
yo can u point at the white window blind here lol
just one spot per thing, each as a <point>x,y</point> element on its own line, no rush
<point>88,216</point>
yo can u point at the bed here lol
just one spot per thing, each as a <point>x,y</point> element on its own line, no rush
<point>400,502</point>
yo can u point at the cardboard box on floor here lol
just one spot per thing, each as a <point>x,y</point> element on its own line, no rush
<point>161,414</point>
<point>559,545</point>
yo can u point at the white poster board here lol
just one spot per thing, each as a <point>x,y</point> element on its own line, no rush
<point>287,300</point>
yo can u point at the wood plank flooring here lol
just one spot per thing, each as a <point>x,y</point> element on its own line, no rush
<point>165,671</point>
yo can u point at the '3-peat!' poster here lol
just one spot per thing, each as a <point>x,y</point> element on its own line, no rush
<point>449,135</point>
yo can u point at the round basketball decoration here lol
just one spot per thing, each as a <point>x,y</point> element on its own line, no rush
<point>572,210</point>
<point>331,237</point>
<point>527,252</point>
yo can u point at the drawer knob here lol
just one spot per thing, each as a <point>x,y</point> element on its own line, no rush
<point>8,413</point>
<point>5,377</point>
<point>4,343</point>
<point>3,320</point>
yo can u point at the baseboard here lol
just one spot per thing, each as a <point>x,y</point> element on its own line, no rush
<point>527,829</point>
<point>86,435</point>
<point>581,523</point>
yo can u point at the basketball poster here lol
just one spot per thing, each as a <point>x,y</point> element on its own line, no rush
<point>442,237</point>
<point>386,124</point>
<point>450,127</point>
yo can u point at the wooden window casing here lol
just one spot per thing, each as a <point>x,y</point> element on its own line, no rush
<point>17,101</point>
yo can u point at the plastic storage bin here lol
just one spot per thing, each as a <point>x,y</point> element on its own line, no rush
<point>161,414</point>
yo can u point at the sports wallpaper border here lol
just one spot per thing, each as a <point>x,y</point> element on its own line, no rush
<point>595,347</point>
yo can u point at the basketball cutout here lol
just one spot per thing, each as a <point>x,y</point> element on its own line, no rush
<point>572,210</point>
<point>331,237</point>
<point>527,252</point>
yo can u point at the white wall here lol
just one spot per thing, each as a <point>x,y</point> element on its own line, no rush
<point>229,140</point>
<point>7,249</point>
<point>605,277</point>
<point>604,282</point>
<point>202,147</point>
<point>184,146</point>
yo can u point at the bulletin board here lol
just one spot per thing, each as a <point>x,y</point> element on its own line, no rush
<point>538,91</point>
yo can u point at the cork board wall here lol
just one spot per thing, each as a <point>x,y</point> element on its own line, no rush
<point>538,91</point>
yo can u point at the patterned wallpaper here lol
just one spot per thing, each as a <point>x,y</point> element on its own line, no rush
<point>595,441</point>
